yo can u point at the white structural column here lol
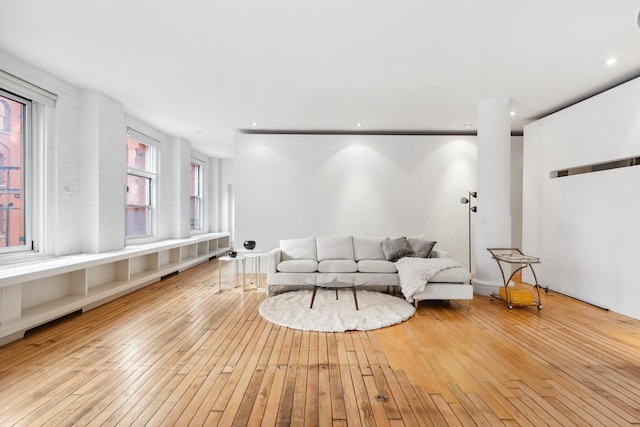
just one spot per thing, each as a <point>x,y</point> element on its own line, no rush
<point>493,218</point>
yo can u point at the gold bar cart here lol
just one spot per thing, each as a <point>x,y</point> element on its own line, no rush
<point>515,256</point>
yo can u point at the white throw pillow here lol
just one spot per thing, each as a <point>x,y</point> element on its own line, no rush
<point>304,248</point>
<point>368,247</point>
<point>334,248</point>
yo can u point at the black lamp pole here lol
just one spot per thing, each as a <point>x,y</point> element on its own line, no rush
<point>466,201</point>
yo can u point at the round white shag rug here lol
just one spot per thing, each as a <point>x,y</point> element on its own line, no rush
<point>376,310</point>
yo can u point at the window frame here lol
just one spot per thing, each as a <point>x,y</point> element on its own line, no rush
<point>37,129</point>
<point>151,208</point>
<point>199,198</point>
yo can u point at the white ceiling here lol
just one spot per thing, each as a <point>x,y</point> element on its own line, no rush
<point>203,70</point>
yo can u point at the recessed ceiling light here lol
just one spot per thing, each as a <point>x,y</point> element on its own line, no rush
<point>611,61</point>
<point>358,125</point>
<point>513,113</point>
<point>467,125</point>
<point>254,124</point>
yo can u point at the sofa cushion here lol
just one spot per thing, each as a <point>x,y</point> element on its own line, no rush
<point>368,248</point>
<point>334,248</point>
<point>298,266</point>
<point>304,248</point>
<point>337,266</point>
<point>421,247</point>
<point>451,275</point>
<point>376,266</point>
<point>397,248</point>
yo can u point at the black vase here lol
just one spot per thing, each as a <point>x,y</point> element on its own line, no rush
<point>249,244</point>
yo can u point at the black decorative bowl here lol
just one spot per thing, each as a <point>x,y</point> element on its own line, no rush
<point>233,254</point>
<point>249,244</point>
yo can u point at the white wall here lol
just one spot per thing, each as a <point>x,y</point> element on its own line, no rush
<point>226,177</point>
<point>585,227</point>
<point>103,172</point>
<point>291,186</point>
<point>516,191</point>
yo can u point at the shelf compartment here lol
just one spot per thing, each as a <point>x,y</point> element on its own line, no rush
<point>40,291</point>
<point>203,248</point>
<point>224,244</point>
<point>107,289</point>
<point>144,265</point>
<point>53,309</point>
<point>10,303</point>
<point>188,252</point>
<point>169,257</point>
<point>110,273</point>
<point>213,246</point>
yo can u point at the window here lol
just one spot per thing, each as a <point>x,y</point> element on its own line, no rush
<point>141,179</point>
<point>14,119</point>
<point>196,197</point>
<point>23,131</point>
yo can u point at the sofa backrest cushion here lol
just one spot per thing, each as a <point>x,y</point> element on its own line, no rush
<point>334,248</point>
<point>368,247</point>
<point>304,248</point>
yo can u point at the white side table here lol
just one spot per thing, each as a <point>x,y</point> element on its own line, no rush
<point>238,258</point>
<point>255,255</point>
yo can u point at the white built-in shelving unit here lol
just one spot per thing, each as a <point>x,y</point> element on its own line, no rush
<point>36,292</point>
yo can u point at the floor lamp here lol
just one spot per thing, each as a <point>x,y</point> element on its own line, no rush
<point>465,201</point>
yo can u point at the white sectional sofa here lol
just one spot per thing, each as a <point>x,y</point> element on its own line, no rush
<point>371,259</point>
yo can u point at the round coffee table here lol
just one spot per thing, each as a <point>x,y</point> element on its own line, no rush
<point>334,282</point>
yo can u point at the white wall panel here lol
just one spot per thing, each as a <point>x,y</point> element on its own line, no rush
<point>585,227</point>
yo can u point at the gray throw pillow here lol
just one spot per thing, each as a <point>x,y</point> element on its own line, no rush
<point>397,248</point>
<point>421,248</point>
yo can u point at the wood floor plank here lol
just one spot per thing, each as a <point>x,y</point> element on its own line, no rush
<point>348,388</point>
<point>285,408</point>
<point>324,381</point>
<point>243,372</point>
<point>376,401</point>
<point>257,375</point>
<point>258,410</point>
<point>446,410</point>
<point>419,410</point>
<point>338,409</point>
<point>271,412</point>
<point>360,392</point>
<point>311,393</point>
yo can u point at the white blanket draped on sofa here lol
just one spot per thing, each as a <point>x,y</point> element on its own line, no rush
<point>414,273</point>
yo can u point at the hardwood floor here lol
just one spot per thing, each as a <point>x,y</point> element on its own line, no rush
<point>178,353</point>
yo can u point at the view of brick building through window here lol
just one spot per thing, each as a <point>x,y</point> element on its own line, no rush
<point>140,165</point>
<point>12,186</point>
